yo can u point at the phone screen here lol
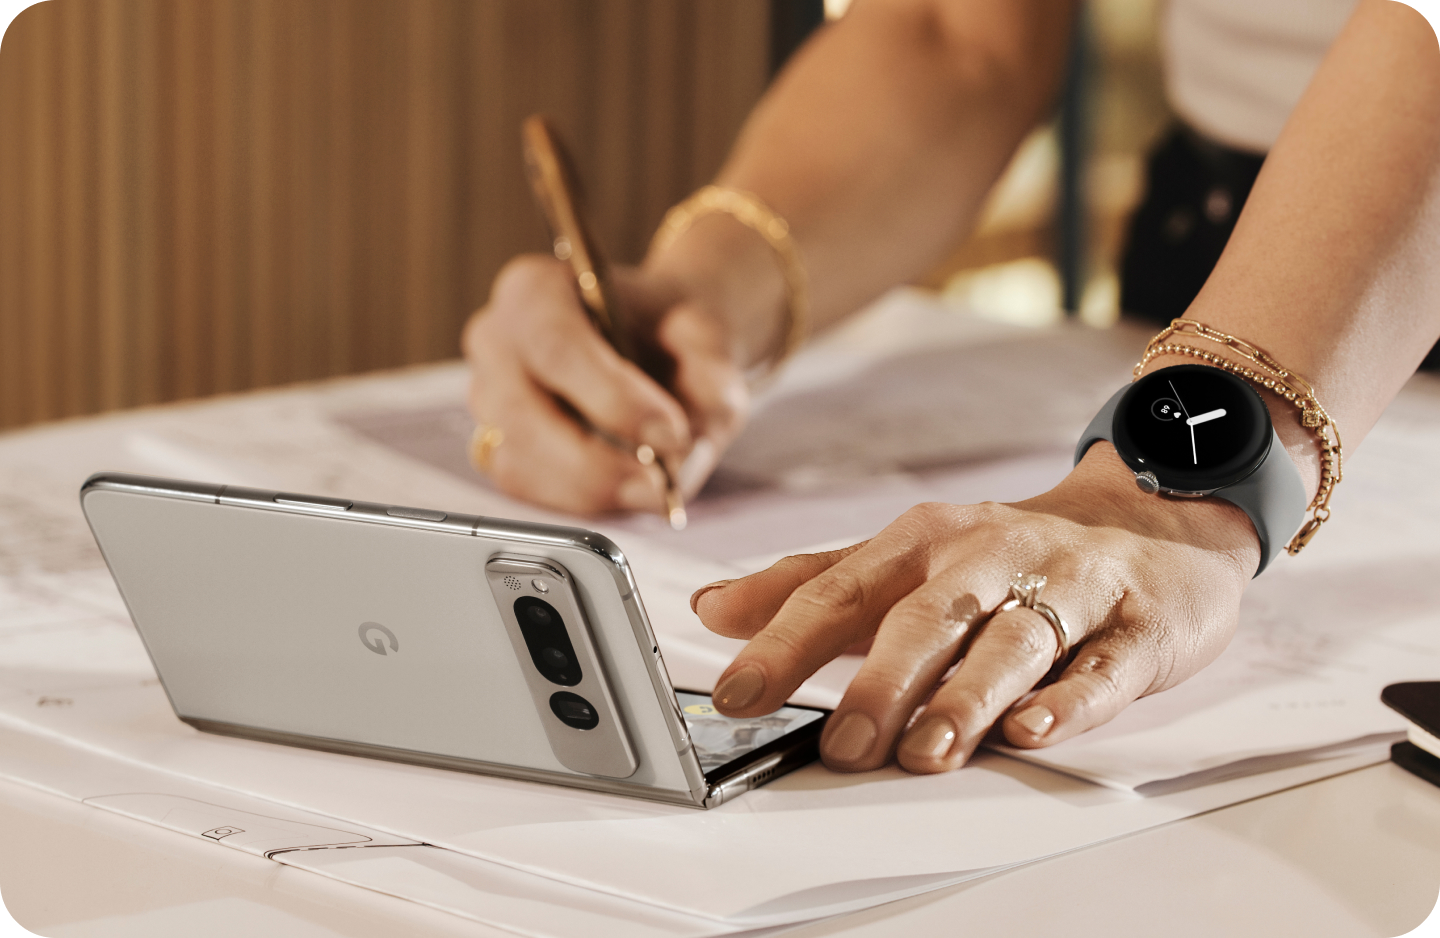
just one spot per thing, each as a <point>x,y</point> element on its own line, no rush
<point>719,739</point>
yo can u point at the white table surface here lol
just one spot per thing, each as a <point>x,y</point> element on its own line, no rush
<point>1356,854</point>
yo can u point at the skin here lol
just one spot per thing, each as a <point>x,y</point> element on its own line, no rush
<point>878,146</point>
<point>1330,269</point>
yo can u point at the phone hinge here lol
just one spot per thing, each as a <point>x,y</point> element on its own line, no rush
<point>747,778</point>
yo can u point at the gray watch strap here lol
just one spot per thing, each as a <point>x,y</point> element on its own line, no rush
<point>1273,496</point>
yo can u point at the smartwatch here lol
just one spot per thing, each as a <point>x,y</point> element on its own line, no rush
<point>1190,431</point>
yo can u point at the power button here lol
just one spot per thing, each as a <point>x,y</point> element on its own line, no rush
<point>415,514</point>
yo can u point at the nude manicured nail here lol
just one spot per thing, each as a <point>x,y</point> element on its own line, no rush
<point>931,739</point>
<point>640,493</point>
<point>1037,719</point>
<point>695,596</point>
<point>740,689</point>
<point>851,738</point>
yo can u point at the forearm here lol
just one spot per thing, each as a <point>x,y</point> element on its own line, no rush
<point>1334,266</point>
<point>877,145</point>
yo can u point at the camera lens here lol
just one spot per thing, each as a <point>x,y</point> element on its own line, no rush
<point>548,642</point>
<point>574,710</point>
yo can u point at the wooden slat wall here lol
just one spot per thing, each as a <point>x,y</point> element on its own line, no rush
<point>200,196</point>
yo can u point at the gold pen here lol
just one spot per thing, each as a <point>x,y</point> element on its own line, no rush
<point>556,188</point>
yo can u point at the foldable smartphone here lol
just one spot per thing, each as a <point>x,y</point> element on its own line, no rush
<point>477,644</point>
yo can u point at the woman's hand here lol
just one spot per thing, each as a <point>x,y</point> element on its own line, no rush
<point>1149,587</point>
<point>550,383</point>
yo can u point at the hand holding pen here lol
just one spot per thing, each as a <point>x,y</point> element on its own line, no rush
<point>552,177</point>
<point>568,421</point>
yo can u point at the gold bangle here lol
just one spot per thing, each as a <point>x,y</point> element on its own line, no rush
<point>754,214</point>
<point>1283,382</point>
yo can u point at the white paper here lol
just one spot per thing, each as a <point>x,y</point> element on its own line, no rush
<point>461,885</point>
<point>811,844</point>
<point>1348,616</point>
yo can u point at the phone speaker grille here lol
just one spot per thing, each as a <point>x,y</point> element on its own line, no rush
<point>513,582</point>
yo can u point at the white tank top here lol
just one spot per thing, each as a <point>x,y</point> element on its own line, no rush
<point>1234,69</point>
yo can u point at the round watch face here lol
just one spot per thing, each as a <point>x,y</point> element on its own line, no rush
<point>1196,427</point>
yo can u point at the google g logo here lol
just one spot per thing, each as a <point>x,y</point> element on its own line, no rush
<point>373,635</point>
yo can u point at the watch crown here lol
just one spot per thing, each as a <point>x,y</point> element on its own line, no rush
<point>1147,482</point>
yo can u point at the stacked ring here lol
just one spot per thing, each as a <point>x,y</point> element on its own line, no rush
<point>1025,591</point>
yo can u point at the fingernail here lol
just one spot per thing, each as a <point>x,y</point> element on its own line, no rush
<point>851,738</point>
<point>660,435</point>
<point>696,467</point>
<point>740,689</point>
<point>695,596</point>
<point>1037,719</point>
<point>931,739</point>
<point>640,493</point>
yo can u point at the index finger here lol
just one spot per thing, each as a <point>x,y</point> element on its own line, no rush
<point>561,351</point>
<point>741,608</point>
<point>819,620</point>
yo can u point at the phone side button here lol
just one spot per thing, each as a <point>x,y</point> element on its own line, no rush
<point>416,514</point>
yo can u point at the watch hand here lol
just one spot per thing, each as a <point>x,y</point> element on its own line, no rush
<point>1193,454</point>
<point>1177,397</point>
<point>1212,415</point>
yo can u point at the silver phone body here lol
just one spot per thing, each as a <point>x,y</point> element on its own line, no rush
<point>377,630</point>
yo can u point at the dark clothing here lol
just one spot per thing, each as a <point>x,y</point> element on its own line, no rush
<point>1195,189</point>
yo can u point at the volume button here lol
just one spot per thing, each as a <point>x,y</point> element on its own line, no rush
<point>416,514</point>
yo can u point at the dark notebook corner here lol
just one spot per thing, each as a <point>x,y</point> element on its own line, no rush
<point>1419,703</point>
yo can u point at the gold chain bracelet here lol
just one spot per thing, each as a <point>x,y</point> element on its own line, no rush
<point>1283,382</point>
<point>754,214</point>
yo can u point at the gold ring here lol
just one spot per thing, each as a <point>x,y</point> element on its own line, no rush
<point>483,443</point>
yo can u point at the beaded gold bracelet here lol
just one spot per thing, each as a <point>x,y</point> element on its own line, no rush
<point>1283,382</point>
<point>754,214</point>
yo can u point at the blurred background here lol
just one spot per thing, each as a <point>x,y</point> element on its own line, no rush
<point>206,196</point>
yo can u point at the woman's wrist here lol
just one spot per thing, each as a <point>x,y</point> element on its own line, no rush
<point>1101,491</point>
<point>731,274</point>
